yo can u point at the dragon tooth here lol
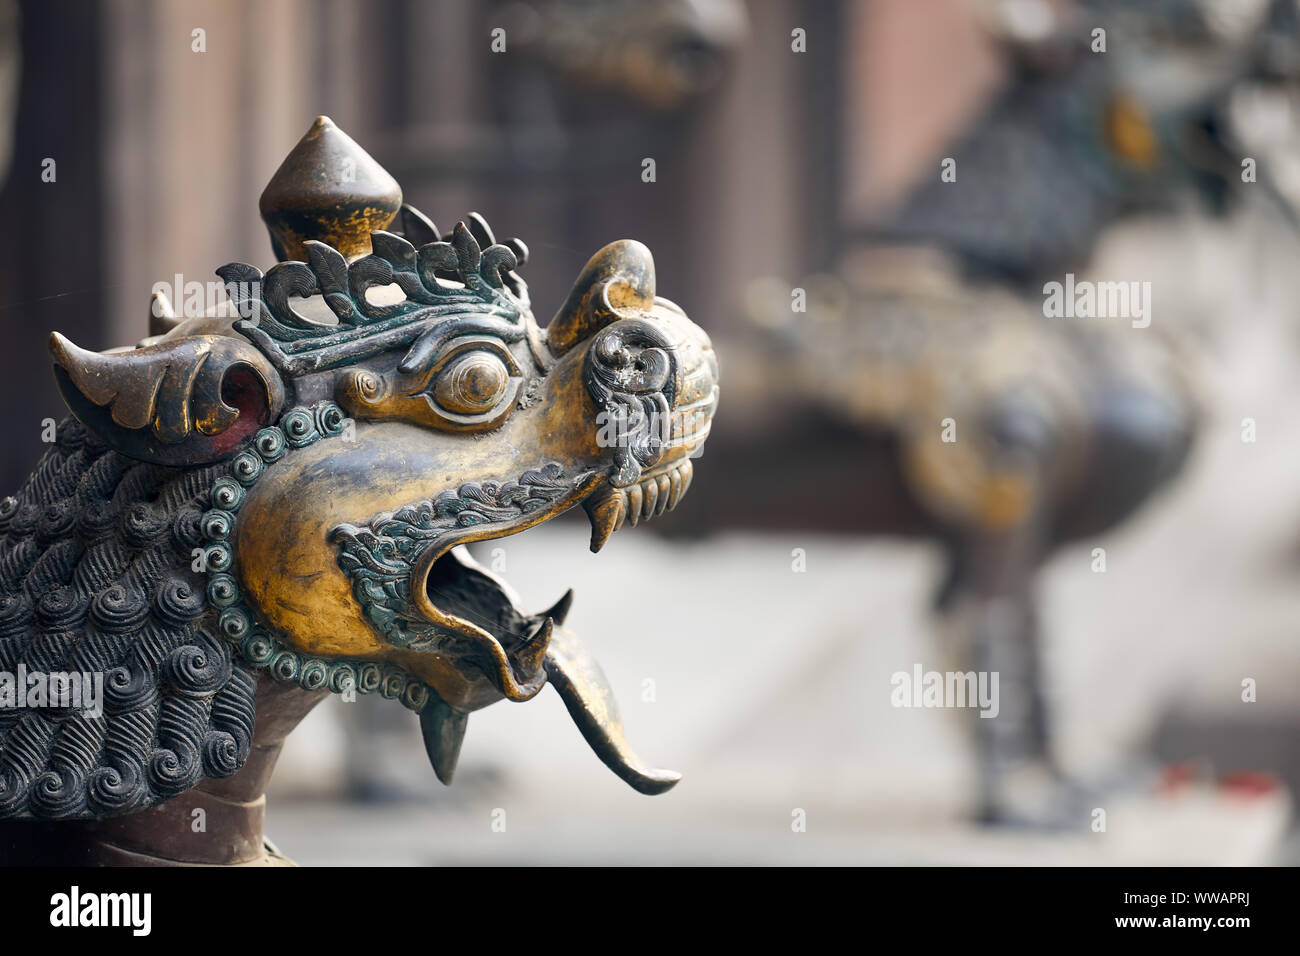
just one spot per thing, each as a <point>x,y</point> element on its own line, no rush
<point>559,611</point>
<point>688,472</point>
<point>634,504</point>
<point>606,513</point>
<point>650,491</point>
<point>675,491</point>
<point>665,490</point>
<point>530,653</point>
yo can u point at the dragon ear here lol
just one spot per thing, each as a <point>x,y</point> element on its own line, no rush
<point>186,402</point>
<point>620,276</point>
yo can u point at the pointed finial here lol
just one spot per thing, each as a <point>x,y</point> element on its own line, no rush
<point>329,189</point>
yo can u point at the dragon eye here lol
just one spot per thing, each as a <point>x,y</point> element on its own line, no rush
<point>472,384</point>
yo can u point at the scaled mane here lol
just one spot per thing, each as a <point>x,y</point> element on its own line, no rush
<point>95,577</point>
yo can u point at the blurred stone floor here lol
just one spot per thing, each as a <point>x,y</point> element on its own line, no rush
<point>771,688</point>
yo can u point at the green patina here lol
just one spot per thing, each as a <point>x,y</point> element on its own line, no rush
<point>257,644</point>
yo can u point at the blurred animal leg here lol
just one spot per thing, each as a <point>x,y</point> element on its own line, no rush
<point>990,594</point>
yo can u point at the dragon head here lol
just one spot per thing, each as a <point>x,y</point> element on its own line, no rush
<point>662,55</point>
<point>381,397</point>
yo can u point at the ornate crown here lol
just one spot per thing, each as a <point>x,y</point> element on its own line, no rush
<point>330,187</point>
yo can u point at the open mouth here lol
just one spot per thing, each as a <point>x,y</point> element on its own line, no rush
<point>490,636</point>
<point>495,637</point>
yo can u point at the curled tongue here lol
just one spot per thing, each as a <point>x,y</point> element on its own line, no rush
<point>573,671</point>
<point>581,684</point>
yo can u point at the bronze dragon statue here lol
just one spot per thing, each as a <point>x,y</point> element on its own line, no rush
<point>261,506</point>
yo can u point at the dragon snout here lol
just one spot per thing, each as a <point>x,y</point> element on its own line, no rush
<point>654,378</point>
<point>691,378</point>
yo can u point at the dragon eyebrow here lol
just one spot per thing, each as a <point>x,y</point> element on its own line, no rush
<point>430,343</point>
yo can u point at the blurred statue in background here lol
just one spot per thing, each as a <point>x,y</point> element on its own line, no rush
<point>970,401</point>
<point>1155,108</point>
<point>663,53</point>
<point>997,432</point>
<point>594,82</point>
